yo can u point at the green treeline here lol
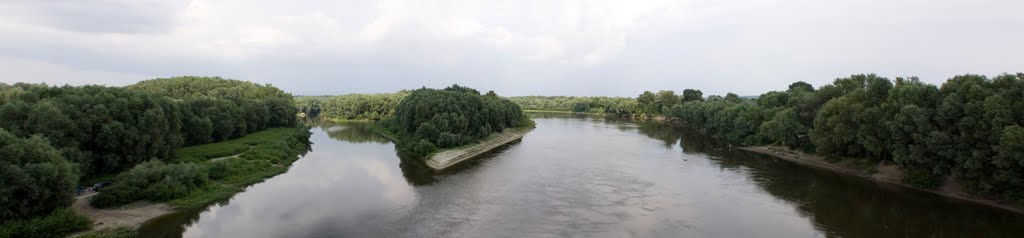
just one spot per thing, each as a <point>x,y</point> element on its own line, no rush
<point>51,137</point>
<point>431,119</point>
<point>352,106</point>
<point>605,105</point>
<point>216,109</point>
<point>970,127</point>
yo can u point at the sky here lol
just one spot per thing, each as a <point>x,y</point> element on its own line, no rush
<point>515,47</point>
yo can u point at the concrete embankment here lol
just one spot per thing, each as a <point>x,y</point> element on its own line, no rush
<point>447,158</point>
<point>886,173</point>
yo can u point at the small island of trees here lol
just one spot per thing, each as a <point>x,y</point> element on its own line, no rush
<point>431,119</point>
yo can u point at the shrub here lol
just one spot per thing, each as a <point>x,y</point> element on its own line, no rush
<point>60,223</point>
<point>921,179</point>
<point>34,179</point>
<point>154,181</point>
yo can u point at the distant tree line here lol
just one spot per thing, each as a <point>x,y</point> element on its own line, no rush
<point>52,136</point>
<point>606,105</point>
<point>431,119</point>
<point>970,127</point>
<point>350,106</point>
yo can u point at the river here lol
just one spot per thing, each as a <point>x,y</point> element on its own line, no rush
<point>575,176</point>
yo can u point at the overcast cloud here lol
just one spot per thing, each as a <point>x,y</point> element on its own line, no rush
<point>516,47</point>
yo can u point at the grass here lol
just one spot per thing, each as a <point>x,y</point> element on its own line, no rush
<point>230,147</point>
<point>267,153</point>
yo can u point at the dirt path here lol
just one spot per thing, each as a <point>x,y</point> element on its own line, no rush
<point>885,173</point>
<point>231,156</point>
<point>130,215</point>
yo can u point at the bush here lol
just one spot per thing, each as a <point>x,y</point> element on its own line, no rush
<point>921,179</point>
<point>60,223</point>
<point>154,181</point>
<point>34,179</point>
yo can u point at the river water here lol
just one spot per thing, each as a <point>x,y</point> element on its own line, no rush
<point>575,177</point>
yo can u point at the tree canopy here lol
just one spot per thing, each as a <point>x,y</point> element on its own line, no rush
<point>429,119</point>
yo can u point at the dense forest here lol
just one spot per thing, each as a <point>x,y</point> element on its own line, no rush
<point>51,137</point>
<point>969,127</point>
<point>431,119</point>
<point>352,106</point>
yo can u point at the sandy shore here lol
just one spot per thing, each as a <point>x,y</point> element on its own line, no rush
<point>131,215</point>
<point>885,173</point>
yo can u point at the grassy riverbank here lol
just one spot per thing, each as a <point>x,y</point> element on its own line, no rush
<point>267,154</point>
<point>253,159</point>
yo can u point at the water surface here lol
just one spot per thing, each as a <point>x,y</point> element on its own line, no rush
<point>575,177</point>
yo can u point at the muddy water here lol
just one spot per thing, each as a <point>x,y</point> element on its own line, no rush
<point>576,177</point>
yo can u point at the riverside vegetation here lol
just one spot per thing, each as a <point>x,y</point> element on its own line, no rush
<point>424,120</point>
<point>51,138</point>
<point>969,128</point>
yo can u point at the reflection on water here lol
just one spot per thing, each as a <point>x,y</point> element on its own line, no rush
<point>575,176</point>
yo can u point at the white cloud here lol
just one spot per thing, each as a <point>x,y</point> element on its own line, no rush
<point>610,47</point>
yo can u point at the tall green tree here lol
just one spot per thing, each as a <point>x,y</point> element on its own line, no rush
<point>34,178</point>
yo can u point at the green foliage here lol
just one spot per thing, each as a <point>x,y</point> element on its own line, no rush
<point>970,127</point>
<point>34,179</point>
<point>431,119</point>
<point>215,109</point>
<point>122,232</point>
<point>110,129</point>
<point>600,105</point>
<point>692,95</point>
<point>153,181</point>
<point>231,147</point>
<point>921,179</point>
<point>271,154</point>
<point>785,129</point>
<point>59,223</point>
<point>351,106</point>
<point>102,129</point>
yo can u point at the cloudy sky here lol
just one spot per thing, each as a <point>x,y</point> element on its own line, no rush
<point>516,47</point>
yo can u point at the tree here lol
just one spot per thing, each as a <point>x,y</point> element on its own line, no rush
<point>800,86</point>
<point>785,129</point>
<point>34,179</point>
<point>665,100</point>
<point>692,95</point>
<point>648,103</point>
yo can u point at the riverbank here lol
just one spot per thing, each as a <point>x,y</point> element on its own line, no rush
<point>266,154</point>
<point>130,215</point>
<point>885,173</point>
<point>449,157</point>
